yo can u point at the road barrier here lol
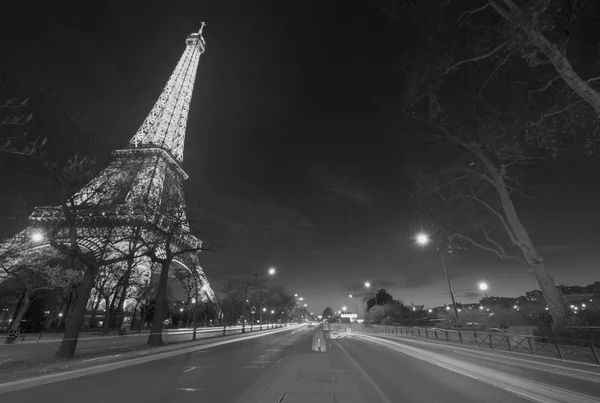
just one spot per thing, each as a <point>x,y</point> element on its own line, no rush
<point>571,350</point>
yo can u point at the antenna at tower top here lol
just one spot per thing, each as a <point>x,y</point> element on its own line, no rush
<point>201,28</point>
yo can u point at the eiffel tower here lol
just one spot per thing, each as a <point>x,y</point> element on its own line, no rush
<point>148,173</point>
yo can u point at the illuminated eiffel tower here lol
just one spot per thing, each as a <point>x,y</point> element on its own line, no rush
<point>148,173</point>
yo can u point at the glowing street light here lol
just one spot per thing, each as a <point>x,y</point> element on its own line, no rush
<point>305,305</point>
<point>296,295</point>
<point>368,285</point>
<point>422,239</point>
<point>344,308</point>
<point>37,237</point>
<point>483,287</point>
<point>271,271</point>
<point>264,309</point>
<point>272,312</point>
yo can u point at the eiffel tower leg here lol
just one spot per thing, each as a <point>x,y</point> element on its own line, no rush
<point>69,343</point>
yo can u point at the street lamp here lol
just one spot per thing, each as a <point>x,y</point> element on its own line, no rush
<point>424,239</point>
<point>368,285</point>
<point>483,287</point>
<point>270,272</point>
<point>37,237</point>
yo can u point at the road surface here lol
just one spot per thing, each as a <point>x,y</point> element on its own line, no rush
<point>281,367</point>
<point>46,347</point>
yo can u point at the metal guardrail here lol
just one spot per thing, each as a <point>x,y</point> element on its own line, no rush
<point>572,350</point>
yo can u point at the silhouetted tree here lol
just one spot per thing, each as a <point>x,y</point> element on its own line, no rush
<point>327,313</point>
<point>381,297</point>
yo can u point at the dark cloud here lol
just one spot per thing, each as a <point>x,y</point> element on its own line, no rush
<point>340,186</point>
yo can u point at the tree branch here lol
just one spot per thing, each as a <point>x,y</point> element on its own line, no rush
<point>464,17</point>
<point>496,70</point>
<point>545,86</point>
<point>476,58</point>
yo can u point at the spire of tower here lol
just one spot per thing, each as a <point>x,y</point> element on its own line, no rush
<point>165,125</point>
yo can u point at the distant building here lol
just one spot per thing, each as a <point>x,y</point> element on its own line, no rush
<point>534,296</point>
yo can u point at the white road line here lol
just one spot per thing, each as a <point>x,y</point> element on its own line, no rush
<point>365,375</point>
<point>102,358</point>
<point>534,391</point>
<point>250,366</point>
<point>499,354</point>
<point>189,389</point>
<point>77,373</point>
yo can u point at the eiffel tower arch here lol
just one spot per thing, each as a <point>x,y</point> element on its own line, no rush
<point>136,187</point>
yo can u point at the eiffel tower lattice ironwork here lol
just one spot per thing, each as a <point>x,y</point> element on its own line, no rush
<point>148,173</point>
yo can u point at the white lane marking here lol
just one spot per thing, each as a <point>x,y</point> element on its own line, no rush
<point>77,373</point>
<point>188,370</point>
<point>250,366</point>
<point>278,361</point>
<point>102,358</point>
<point>535,391</point>
<point>499,354</point>
<point>188,389</point>
<point>365,375</point>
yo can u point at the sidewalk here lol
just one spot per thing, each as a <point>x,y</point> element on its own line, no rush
<point>308,376</point>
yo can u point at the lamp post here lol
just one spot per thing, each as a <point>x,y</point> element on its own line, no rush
<point>483,287</point>
<point>270,272</point>
<point>368,285</point>
<point>424,239</point>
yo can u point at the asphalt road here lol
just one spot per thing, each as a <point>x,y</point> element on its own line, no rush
<point>90,344</point>
<point>410,372</point>
<point>219,375</point>
<point>359,368</point>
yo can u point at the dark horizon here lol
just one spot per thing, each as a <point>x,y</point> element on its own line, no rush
<point>292,146</point>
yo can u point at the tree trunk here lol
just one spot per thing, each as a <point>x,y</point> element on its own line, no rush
<point>69,343</point>
<point>107,315</point>
<point>22,310</point>
<point>560,62</point>
<point>143,317</point>
<point>155,337</point>
<point>132,316</point>
<point>119,317</point>
<point>95,308</point>
<point>19,303</point>
<point>520,238</point>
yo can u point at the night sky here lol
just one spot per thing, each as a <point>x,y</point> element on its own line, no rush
<point>292,149</point>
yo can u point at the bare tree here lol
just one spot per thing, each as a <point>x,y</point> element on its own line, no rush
<point>36,271</point>
<point>14,122</point>
<point>469,195</point>
<point>482,38</point>
<point>166,236</point>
